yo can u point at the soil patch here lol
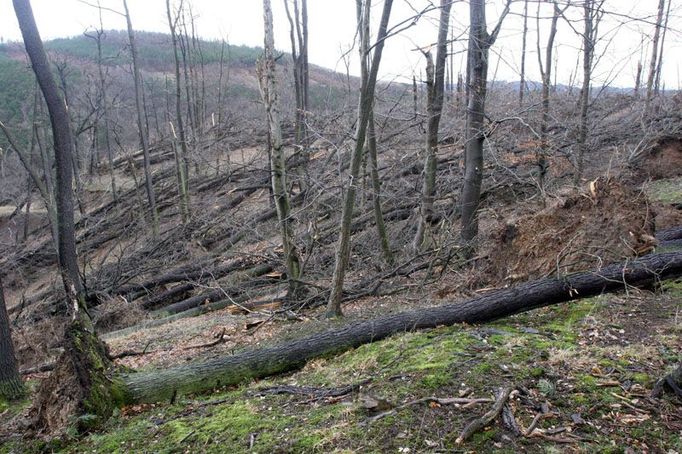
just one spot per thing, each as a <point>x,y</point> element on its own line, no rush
<point>664,161</point>
<point>605,223</point>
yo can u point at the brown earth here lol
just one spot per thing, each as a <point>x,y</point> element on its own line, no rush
<point>606,223</point>
<point>664,161</point>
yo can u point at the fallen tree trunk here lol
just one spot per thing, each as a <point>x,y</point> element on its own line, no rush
<point>196,277</point>
<point>673,233</point>
<point>220,293</point>
<point>150,386</point>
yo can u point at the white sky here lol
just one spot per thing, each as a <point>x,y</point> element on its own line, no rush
<point>332,26</point>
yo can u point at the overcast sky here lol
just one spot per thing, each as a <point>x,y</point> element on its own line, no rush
<point>332,22</point>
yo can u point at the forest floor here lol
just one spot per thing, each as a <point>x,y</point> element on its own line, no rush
<point>581,372</point>
<point>584,370</point>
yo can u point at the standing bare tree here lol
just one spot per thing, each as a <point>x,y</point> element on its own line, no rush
<point>546,74</point>
<point>84,360</point>
<point>524,40</point>
<point>182,161</point>
<point>268,88</point>
<point>299,52</point>
<point>480,42</point>
<point>103,100</point>
<point>142,130</point>
<point>11,386</point>
<point>653,64</point>
<point>657,84</point>
<point>368,73</point>
<point>592,14</point>
<point>435,81</point>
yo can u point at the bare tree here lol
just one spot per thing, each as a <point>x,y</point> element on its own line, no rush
<point>182,162</point>
<point>480,42</point>
<point>268,88</point>
<point>592,14</point>
<point>434,107</point>
<point>84,360</point>
<point>653,64</point>
<point>368,83</point>
<point>657,84</point>
<point>11,386</point>
<point>103,99</point>
<point>546,74</point>
<point>524,39</point>
<point>142,131</point>
<point>299,52</point>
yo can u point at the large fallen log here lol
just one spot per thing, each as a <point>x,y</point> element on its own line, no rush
<point>156,385</point>
<point>673,233</point>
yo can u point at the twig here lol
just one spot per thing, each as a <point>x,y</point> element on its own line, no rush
<point>536,420</point>
<point>479,423</point>
<point>126,353</point>
<point>466,403</point>
<point>219,340</point>
<point>317,392</point>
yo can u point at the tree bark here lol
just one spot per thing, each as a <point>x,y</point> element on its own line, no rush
<point>78,384</point>
<point>659,68</point>
<point>182,166</point>
<point>268,86</point>
<point>653,65</point>
<point>11,385</point>
<point>435,83</point>
<point>151,197</point>
<point>546,74</point>
<point>477,79</point>
<point>376,190</point>
<point>589,14</point>
<point>369,78</point>
<point>524,39</point>
<point>159,385</point>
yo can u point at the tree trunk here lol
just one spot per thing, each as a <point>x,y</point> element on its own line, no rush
<point>524,39</point>
<point>105,108</point>
<point>268,86</point>
<point>151,197</point>
<point>369,78</point>
<point>78,386</point>
<point>653,65</point>
<point>181,162</point>
<point>435,82</point>
<point>546,74</point>
<point>159,385</point>
<point>376,190</point>
<point>638,79</point>
<point>11,386</point>
<point>477,80</point>
<point>659,68</point>
<point>588,53</point>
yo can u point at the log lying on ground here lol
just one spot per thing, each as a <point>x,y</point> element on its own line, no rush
<point>198,276</point>
<point>220,293</point>
<point>673,233</point>
<point>151,386</point>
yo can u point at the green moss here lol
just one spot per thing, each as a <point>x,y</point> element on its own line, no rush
<point>642,378</point>
<point>666,191</point>
<point>436,381</point>
<point>537,372</point>
<point>482,369</point>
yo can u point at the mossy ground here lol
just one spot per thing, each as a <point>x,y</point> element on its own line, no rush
<point>666,190</point>
<point>593,362</point>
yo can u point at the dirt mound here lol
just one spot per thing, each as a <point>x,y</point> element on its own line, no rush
<point>664,160</point>
<point>606,223</point>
